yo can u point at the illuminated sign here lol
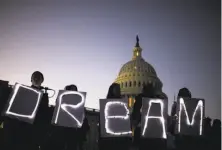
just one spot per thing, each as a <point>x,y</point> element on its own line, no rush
<point>190,114</point>
<point>114,113</point>
<point>23,103</point>
<point>114,118</point>
<point>69,111</point>
<point>154,118</point>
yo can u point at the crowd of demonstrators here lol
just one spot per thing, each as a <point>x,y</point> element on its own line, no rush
<point>42,135</point>
<point>211,138</point>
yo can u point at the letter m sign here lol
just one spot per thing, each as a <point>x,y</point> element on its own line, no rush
<point>190,115</point>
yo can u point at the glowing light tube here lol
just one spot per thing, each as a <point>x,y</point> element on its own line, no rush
<point>107,117</point>
<point>64,106</point>
<point>161,118</point>
<point>16,88</point>
<point>191,123</point>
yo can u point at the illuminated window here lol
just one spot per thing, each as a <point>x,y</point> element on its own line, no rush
<point>135,67</point>
<point>130,102</point>
<point>137,53</point>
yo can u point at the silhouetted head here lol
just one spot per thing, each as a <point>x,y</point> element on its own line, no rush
<point>207,121</point>
<point>114,91</point>
<point>148,90</point>
<point>37,79</point>
<point>216,123</point>
<point>71,87</point>
<point>185,93</point>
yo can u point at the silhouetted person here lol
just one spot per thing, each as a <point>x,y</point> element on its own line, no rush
<point>120,143</point>
<point>172,119</point>
<point>23,135</point>
<point>206,133</point>
<point>75,137</point>
<point>11,131</point>
<point>42,119</point>
<point>170,136</point>
<point>184,142</point>
<point>216,135</point>
<point>114,91</point>
<point>67,137</point>
<point>82,134</point>
<point>146,143</point>
<point>4,95</point>
<point>183,93</point>
<point>207,126</point>
<point>147,91</point>
<point>5,91</point>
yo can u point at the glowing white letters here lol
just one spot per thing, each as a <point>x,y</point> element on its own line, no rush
<point>65,106</point>
<point>107,117</point>
<point>161,118</point>
<point>16,88</point>
<point>199,106</point>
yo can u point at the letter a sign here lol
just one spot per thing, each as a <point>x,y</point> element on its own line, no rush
<point>154,118</point>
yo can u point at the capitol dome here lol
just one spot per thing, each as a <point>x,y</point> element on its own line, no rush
<point>135,73</point>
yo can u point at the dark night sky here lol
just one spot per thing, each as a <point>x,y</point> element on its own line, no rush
<point>87,42</point>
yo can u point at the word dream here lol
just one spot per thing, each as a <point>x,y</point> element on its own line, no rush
<point>114,113</point>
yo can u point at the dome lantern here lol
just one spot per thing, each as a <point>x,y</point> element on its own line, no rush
<point>137,51</point>
<point>136,73</point>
